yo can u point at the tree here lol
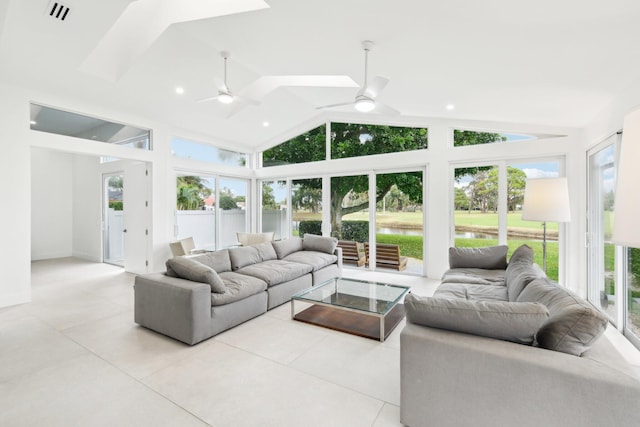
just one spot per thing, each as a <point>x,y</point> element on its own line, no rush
<point>461,200</point>
<point>268,198</point>
<point>191,192</point>
<point>227,202</point>
<point>463,138</point>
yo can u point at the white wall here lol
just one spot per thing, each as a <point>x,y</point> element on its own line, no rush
<point>51,212</point>
<point>87,208</point>
<point>15,198</point>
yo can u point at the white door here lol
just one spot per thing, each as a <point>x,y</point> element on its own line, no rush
<point>136,217</point>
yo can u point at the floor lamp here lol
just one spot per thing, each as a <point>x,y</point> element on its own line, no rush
<point>626,212</point>
<point>546,200</point>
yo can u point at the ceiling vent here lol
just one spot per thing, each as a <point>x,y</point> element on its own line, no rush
<point>58,11</point>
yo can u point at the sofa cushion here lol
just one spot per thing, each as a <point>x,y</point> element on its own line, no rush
<point>248,239</point>
<point>573,326</point>
<point>471,292</point>
<point>316,260</point>
<point>218,260</point>
<point>287,246</point>
<point>243,256</point>
<point>515,322</point>
<point>312,242</point>
<point>189,269</point>
<point>489,257</point>
<point>238,286</point>
<point>475,276</point>
<point>520,271</point>
<point>266,251</point>
<point>276,271</point>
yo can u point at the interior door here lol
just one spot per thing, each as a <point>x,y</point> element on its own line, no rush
<point>136,217</point>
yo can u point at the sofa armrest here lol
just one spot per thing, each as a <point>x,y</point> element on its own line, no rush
<point>451,378</point>
<point>175,307</point>
<point>338,252</point>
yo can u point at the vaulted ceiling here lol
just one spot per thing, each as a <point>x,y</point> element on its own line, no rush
<point>547,62</point>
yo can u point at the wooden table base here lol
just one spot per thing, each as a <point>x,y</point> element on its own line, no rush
<point>363,325</point>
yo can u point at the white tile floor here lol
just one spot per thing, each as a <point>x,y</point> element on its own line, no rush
<point>74,356</point>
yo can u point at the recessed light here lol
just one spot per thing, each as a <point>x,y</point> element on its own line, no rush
<point>450,107</point>
<point>265,124</point>
<point>33,122</point>
<point>179,90</point>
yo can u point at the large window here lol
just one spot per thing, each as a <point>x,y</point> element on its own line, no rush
<point>480,201</point>
<point>602,253</point>
<point>353,140</point>
<point>274,208</point>
<point>207,153</point>
<point>306,206</point>
<point>308,147</point>
<point>463,138</point>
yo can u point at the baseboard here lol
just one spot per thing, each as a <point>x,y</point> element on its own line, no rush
<point>15,299</point>
<point>86,256</point>
<point>50,255</point>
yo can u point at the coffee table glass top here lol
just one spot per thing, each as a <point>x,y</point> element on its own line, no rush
<point>362,295</point>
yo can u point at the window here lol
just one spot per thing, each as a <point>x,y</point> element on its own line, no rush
<point>354,140</point>
<point>232,206</point>
<point>60,122</point>
<point>471,137</point>
<point>207,153</point>
<point>196,210</point>
<point>306,206</point>
<point>274,208</point>
<point>308,147</point>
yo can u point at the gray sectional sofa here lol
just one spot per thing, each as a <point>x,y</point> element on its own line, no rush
<point>503,345</point>
<point>202,295</point>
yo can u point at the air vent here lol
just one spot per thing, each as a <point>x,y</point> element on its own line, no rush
<point>58,11</point>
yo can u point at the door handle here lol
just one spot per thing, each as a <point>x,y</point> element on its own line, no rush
<point>124,231</point>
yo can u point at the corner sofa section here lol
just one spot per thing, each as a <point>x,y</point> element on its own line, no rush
<point>202,295</point>
<point>502,344</point>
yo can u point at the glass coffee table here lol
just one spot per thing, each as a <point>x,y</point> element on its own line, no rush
<point>365,308</point>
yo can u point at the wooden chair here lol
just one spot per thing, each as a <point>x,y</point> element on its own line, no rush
<point>387,256</point>
<point>352,252</point>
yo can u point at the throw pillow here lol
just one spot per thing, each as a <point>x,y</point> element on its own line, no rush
<point>312,242</point>
<point>515,322</point>
<point>218,260</point>
<point>520,271</point>
<point>243,256</point>
<point>573,326</point>
<point>189,269</point>
<point>287,246</point>
<point>266,251</point>
<point>489,258</point>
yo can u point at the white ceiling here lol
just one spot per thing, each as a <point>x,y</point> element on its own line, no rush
<point>546,62</point>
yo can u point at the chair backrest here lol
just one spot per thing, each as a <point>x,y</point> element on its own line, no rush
<point>182,246</point>
<point>246,239</point>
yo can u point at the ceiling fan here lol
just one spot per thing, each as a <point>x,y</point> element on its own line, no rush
<point>225,96</point>
<point>365,100</point>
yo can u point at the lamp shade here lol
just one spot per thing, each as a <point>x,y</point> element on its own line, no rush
<point>626,211</point>
<point>546,199</point>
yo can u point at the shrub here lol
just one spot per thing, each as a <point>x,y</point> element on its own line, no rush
<point>355,230</point>
<point>312,227</point>
<point>116,205</point>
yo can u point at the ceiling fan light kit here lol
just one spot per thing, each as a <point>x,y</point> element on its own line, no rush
<point>225,98</point>
<point>364,104</point>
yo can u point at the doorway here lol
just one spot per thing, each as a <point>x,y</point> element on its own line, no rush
<point>113,218</point>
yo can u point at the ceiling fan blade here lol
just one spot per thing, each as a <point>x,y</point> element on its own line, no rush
<point>335,105</point>
<point>376,86</point>
<point>220,85</point>
<point>209,98</point>
<point>385,109</point>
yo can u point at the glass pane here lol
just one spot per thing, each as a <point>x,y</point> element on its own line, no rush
<point>207,153</point>
<point>274,208</point>
<point>52,120</point>
<point>601,250</point>
<point>233,214</point>
<point>470,137</point>
<point>521,232</point>
<point>350,216</point>
<point>476,206</point>
<point>308,147</point>
<point>633,286</point>
<point>196,214</point>
<point>399,221</point>
<point>353,140</point>
<point>306,205</point>
<point>114,220</point>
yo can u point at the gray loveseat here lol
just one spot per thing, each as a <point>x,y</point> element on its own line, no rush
<point>202,295</point>
<point>503,345</point>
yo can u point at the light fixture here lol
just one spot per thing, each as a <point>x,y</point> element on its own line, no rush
<point>364,104</point>
<point>626,210</point>
<point>546,200</point>
<point>265,124</point>
<point>225,97</point>
<point>179,90</point>
<point>33,122</point>
<point>450,107</point>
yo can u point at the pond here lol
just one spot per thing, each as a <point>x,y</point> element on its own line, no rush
<point>418,232</point>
